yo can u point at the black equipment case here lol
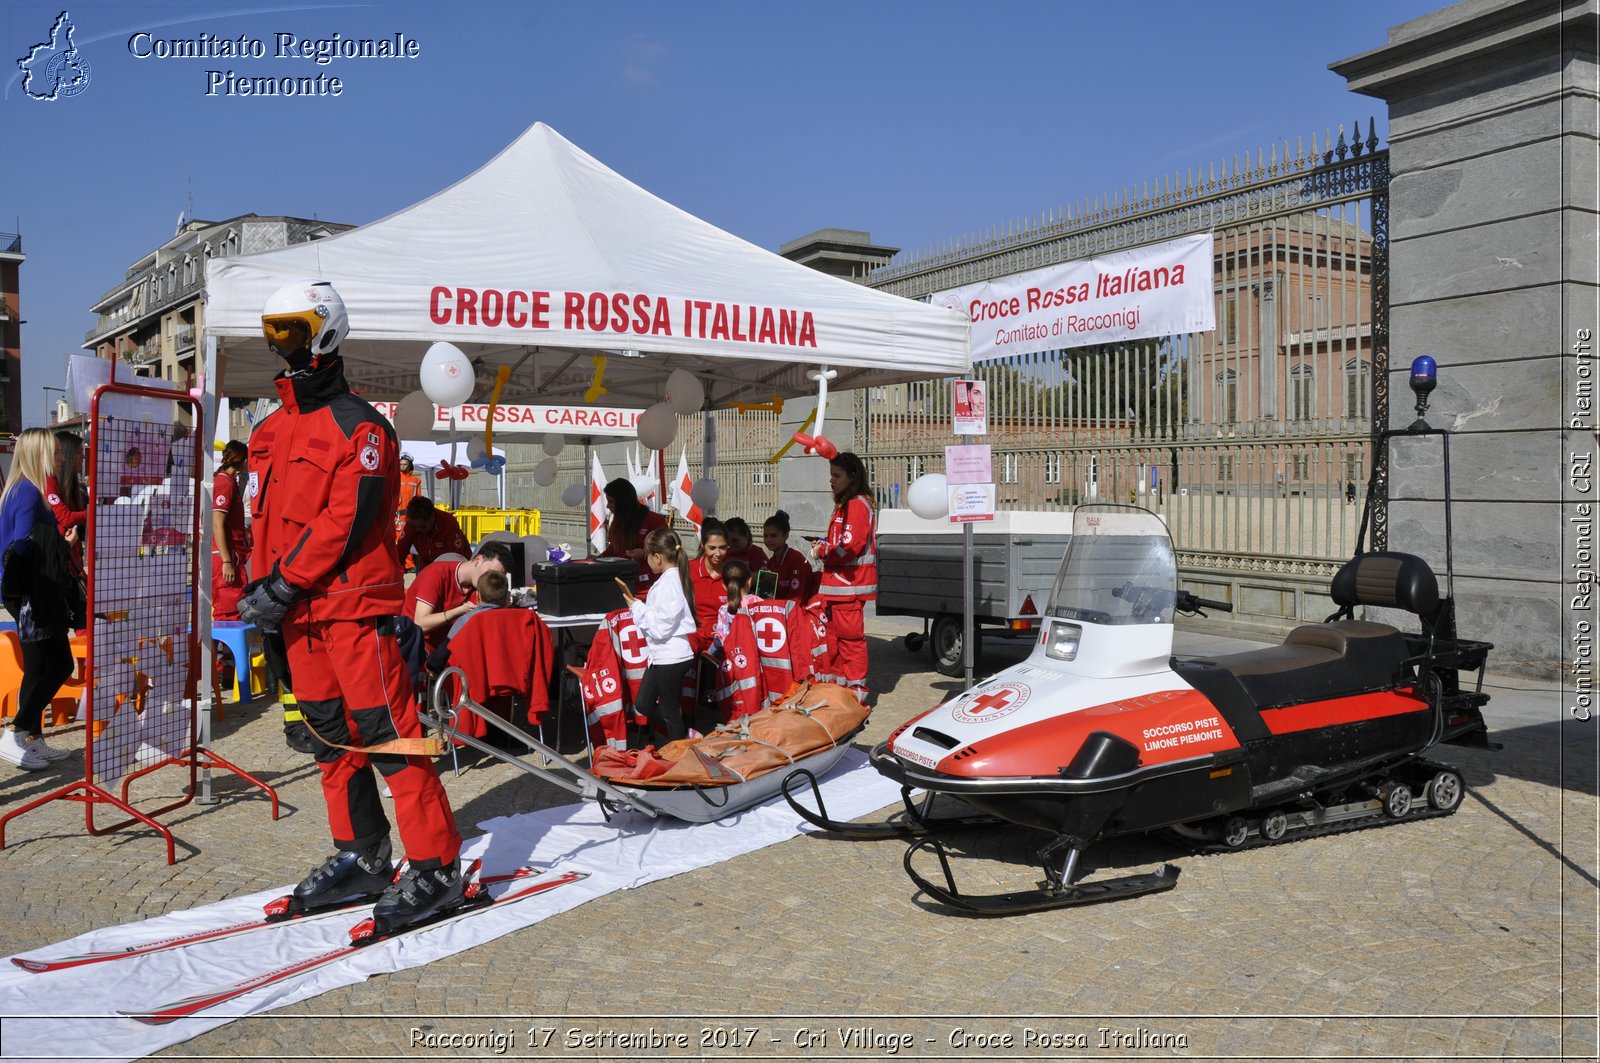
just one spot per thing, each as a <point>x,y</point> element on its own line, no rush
<point>581,588</point>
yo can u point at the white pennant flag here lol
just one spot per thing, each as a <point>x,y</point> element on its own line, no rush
<point>597,508</point>
<point>682,500</point>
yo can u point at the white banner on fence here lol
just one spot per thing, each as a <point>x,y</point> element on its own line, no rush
<point>1160,290</point>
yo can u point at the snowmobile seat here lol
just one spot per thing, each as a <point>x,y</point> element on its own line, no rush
<point>1320,661</point>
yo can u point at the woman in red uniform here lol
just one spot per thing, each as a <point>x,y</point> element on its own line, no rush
<point>64,491</point>
<point>849,556</point>
<point>740,547</point>
<point>792,566</point>
<point>705,572</point>
<point>631,521</point>
<point>230,541</point>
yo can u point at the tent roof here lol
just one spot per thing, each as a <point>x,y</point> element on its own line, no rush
<point>666,290</point>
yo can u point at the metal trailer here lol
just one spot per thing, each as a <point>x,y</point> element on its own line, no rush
<point>1015,558</point>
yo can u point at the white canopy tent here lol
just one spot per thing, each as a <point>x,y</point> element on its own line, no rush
<point>544,257</point>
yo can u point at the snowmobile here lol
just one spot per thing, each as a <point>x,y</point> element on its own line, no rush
<point>1103,732</point>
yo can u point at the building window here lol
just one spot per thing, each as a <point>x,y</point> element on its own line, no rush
<point>1230,319</point>
<point>1225,468</point>
<point>1357,388</point>
<point>1227,396</point>
<point>1300,467</point>
<point>913,468</point>
<point>1052,468</point>
<point>1008,469</point>
<point>1302,393</point>
<point>880,395</point>
<point>761,477</point>
<point>1353,468</point>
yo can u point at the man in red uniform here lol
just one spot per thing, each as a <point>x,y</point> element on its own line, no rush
<point>230,540</point>
<point>324,474</point>
<point>445,591</point>
<point>431,532</point>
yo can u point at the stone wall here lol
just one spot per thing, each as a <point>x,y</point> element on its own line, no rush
<point>1492,135</point>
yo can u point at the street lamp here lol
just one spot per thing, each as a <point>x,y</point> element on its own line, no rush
<point>47,390</point>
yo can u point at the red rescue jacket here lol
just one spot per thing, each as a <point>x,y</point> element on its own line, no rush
<point>324,473</point>
<point>850,562</point>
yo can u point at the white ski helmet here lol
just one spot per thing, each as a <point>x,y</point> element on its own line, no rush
<point>305,314</point>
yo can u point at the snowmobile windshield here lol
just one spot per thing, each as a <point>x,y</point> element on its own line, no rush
<point>1119,568</point>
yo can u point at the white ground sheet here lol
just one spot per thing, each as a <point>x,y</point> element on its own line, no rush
<point>72,1014</point>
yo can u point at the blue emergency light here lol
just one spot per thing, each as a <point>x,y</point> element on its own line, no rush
<point>1424,378</point>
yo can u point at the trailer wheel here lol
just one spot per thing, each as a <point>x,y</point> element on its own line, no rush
<point>946,642</point>
<point>1445,791</point>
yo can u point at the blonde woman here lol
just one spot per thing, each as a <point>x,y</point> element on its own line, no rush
<point>37,573</point>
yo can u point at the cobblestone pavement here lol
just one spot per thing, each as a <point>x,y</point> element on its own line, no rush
<point>1471,936</point>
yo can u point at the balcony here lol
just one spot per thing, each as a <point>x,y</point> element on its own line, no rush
<point>143,355</point>
<point>183,339</point>
<point>10,243</point>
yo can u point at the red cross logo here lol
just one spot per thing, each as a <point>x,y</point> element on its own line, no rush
<point>1001,699</point>
<point>770,636</point>
<point>633,646</point>
<point>998,700</point>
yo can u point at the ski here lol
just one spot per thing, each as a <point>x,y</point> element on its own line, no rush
<point>277,913</point>
<point>363,935</point>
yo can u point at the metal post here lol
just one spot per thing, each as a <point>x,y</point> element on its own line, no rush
<point>966,597</point>
<point>207,429</point>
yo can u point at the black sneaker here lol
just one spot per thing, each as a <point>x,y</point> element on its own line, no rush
<point>346,877</point>
<point>419,896</point>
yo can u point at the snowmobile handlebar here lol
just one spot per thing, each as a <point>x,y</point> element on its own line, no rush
<point>1189,602</point>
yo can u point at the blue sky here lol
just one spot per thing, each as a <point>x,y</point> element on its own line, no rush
<point>917,121</point>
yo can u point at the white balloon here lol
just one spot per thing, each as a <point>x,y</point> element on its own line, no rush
<point>685,393</point>
<point>928,496</point>
<point>658,426</point>
<point>554,443</point>
<point>544,473</point>
<point>413,418</point>
<point>572,495</point>
<point>447,375</point>
<point>705,493</point>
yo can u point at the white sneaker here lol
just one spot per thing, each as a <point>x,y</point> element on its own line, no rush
<point>14,750</point>
<point>48,752</point>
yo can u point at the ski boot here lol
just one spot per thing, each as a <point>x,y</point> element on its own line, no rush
<point>347,877</point>
<point>420,896</point>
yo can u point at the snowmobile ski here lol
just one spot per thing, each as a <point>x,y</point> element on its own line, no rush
<point>1051,894</point>
<point>531,881</point>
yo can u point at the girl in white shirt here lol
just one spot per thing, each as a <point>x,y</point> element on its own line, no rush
<point>666,619</point>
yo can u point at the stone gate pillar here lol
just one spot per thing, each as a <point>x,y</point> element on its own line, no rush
<point>1492,142</point>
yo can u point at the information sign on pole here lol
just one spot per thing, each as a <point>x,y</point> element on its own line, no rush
<point>971,502</point>
<point>968,464</point>
<point>971,408</point>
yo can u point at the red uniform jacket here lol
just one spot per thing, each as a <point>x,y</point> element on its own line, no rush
<point>822,666</point>
<point>324,468</point>
<point>504,653</point>
<point>616,548</point>
<point>612,672</point>
<point>739,688</point>
<point>710,594</point>
<point>794,574</point>
<point>446,538</point>
<point>850,562</point>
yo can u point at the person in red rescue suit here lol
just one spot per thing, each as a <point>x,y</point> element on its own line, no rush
<point>849,554</point>
<point>410,487</point>
<point>447,590</point>
<point>631,521</point>
<point>431,532</point>
<point>64,493</point>
<point>793,567</point>
<point>324,476</point>
<point>230,540</point>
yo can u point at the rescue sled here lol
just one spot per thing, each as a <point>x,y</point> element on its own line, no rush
<point>1102,732</point>
<point>736,767</point>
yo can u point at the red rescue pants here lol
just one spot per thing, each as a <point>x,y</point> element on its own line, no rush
<point>354,689</point>
<point>847,628</point>
<point>225,596</point>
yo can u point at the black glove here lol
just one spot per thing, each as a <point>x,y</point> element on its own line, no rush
<point>266,600</point>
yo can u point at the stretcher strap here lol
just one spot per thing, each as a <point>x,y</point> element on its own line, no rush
<point>405,747</point>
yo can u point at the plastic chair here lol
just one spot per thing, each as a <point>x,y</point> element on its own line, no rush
<point>63,706</point>
<point>244,642</point>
